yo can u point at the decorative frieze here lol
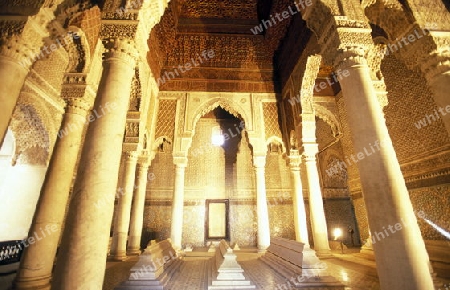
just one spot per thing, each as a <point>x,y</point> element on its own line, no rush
<point>112,29</point>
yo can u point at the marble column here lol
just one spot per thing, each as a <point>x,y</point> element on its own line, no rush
<point>122,220</point>
<point>262,212</point>
<point>316,211</point>
<point>301,227</point>
<point>310,263</point>
<point>12,74</point>
<point>437,73</point>
<point>38,258</point>
<point>81,260</point>
<point>137,211</point>
<point>385,194</point>
<point>176,229</point>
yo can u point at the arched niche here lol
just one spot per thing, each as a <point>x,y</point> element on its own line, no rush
<point>194,112</point>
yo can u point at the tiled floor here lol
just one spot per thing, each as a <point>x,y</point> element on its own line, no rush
<point>354,271</point>
<point>193,273</point>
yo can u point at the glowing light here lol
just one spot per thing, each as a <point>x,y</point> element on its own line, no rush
<point>438,228</point>
<point>217,139</point>
<point>344,276</point>
<point>337,233</point>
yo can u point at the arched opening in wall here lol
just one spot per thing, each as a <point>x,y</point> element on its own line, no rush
<point>219,168</point>
<point>216,143</point>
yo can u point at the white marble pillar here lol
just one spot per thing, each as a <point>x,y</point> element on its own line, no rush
<point>176,229</point>
<point>262,211</point>
<point>300,223</point>
<point>389,210</point>
<point>81,260</point>
<point>37,260</point>
<point>122,220</point>
<point>137,211</point>
<point>437,73</point>
<point>316,211</point>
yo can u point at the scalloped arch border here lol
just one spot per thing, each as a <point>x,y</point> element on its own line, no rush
<point>229,106</point>
<point>278,140</point>
<point>328,117</point>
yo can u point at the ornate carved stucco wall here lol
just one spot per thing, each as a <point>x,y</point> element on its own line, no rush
<point>213,172</point>
<point>424,153</point>
<point>433,201</point>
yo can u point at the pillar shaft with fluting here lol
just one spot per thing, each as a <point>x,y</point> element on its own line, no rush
<point>137,211</point>
<point>37,261</point>
<point>122,220</point>
<point>385,193</point>
<point>176,229</point>
<point>262,212</point>
<point>300,223</point>
<point>81,260</point>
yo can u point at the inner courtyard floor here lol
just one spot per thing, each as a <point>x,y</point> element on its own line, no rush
<point>351,268</point>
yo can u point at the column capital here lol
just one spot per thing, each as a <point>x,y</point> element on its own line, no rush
<point>180,161</point>
<point>143,165</point>
<point>131,155</point>
<point>78,106</point>
<point>349,57</point>
<point>144,158</point>
<point>78,95</point>
<point>259,161</point>
<point>120,48</point>
<point>310,150</point>
<point>20,51</point>
<point>295,159</point>
<point>24,35</point>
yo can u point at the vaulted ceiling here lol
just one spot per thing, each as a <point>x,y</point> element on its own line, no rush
<point>242,61</point>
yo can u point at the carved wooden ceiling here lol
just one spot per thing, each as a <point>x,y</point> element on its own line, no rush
<point>242,61</point>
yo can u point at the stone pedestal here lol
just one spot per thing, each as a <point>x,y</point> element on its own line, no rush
<point>155,267</point>
<point>261,204</point>
<point>299,266</point>
<point>137,212</point>
<point>122,221</point>
<point>176,230</point>
<point>37,260</point>
<point>82,254</point>
<point>227,273</point>
<point>385,192</point>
